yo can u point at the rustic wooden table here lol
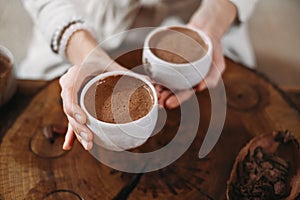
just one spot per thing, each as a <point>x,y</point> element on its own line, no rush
<point>32,167</point>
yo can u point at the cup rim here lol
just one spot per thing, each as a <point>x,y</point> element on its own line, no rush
<point>202,34</point>
<point>114,73</point>
<point>7,53</point>
<point>4,50</point>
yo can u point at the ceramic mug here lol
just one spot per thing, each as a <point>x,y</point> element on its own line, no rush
<point>114,136</point>
<point>7,77</point>
<point>177,75</point>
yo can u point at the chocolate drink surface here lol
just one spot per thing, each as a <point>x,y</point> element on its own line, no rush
<point>4,64</point>
<point>5,72</point>
<point>122,99</point>
<point>178,45</point>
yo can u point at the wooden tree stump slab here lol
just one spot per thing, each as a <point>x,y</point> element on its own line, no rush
<point>33,167</point>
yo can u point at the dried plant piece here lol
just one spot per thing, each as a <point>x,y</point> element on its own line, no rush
<point>51,131</point>
<point>47,131</point>
<point>268,167</point>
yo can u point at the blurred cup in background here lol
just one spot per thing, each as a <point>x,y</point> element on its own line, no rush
<point>7,77</point>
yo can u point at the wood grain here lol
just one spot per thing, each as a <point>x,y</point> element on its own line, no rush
<point>255,106</point>
<point>9,112</point>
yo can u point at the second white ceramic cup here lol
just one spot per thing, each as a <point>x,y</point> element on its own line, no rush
<point>172,75</point>
<point>118,137</point>
<point>8,83</point>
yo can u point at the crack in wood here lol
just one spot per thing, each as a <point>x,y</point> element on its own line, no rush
<point>127,189</point>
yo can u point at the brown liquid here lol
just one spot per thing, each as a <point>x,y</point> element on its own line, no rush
<point>5,72</point>
<point>4,64</point>
<point>122,99</point>
<point>178,45</point>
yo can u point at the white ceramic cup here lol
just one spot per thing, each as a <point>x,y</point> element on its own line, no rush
<point>172,75</point>
<point>118,137</point>
<point>8,82</point>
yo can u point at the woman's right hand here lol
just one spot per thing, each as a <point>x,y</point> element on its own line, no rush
<point>89,60</point>
<point>76,117</point>
<point>71,83</point>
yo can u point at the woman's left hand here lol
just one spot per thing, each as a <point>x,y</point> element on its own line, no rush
<point>214,18</point>
<point>171,100</point>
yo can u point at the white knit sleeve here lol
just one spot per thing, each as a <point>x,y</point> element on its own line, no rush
<point>245,8</point>
<point>50,15</point>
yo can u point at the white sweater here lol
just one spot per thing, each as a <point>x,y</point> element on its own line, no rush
<point>108,17</point>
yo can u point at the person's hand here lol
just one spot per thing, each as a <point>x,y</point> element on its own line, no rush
<point>171,100</point>
<point>76,117</point>
<point>89,60</point>
<point>71,83</point>
<point>213,18</point>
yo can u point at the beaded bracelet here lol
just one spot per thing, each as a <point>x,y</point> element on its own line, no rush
<point>55,42</point>
<point>67,35</point>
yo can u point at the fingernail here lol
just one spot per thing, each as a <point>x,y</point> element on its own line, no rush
<point>84,135</point>
<point>201,87</point>
<point>86,145</point>
<point>170,103</point>
<point>78,118</point>
<point>65,147</point>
